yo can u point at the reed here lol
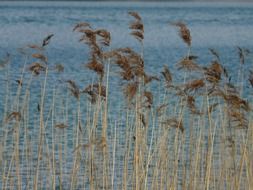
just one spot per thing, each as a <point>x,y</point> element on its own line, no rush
<point>190,129</point>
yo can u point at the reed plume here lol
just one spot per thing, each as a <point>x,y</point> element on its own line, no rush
<point>242,52</point>
<point>135,15</point>
<point>13,116</point>
<point>174,123</point>
<point>191,105</point>
<point>35,47</point>
<point>20,82</point>
<point>214,72</point>
<point>47,39</point>
<point>137,27</point>
<point>96,66</point>
<point>160,109</point>
<point>130,90</point>
<point>215,53</point>
<point>251,78</point>
<point>238,119</point>
<point>184,32</point>
<point>74,89</point>
<point>149,78</point>
<point>105,36</point>
<point>37,68</point>
<point>188,63</point>
<point>236,102</point>
<point>95,91</point>
<point>81,25</point>
<point>59,68</point>
<point>40,57</point>
<point>149,99</point>
<point>61,126</point>
<point>5,61</point>
<point>194,85</point>
<point>212,107</point>
<point>167,75</point>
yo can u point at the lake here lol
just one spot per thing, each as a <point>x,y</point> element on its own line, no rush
<point>220,26</point>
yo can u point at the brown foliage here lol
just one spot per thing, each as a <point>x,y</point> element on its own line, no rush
<point>61,126</point>
<point>40,57</point>
<point>251,78</point>
<point>96,66</point>
<point>14,115</point>
<point>188,63</point>
<point>194,85</point>
<point>130,90</point>
<point>95,90</point>
<point>47,39</point>
<point>166,74</point>
<point>184,32</point>
<point>36,68</point>
<point>174,123</point>
<point>214,72</point>
<point>74,89</point>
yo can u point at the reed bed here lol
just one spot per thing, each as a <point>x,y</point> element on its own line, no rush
<point>193,132</point>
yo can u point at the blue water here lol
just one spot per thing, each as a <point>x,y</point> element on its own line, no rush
<point>221,26</point>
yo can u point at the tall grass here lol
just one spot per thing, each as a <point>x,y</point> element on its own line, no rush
<point>191,133</point>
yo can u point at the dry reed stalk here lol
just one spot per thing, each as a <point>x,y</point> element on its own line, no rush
<point>77,155</point>
<point>41,133</point>
<point>132,70</point>
<point>53,141</point>
<point>210,152</point>
<point>114,154</point>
